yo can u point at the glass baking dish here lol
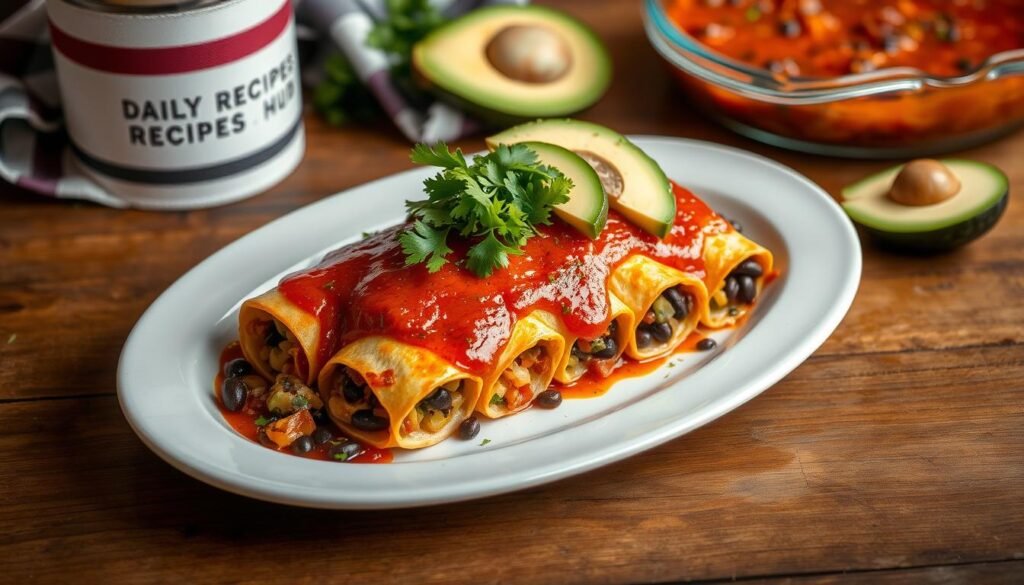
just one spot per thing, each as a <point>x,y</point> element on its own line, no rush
<point>888,113</point>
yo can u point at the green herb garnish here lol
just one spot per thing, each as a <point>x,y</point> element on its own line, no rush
<point>496,202</point>
<point>407,22</point>
<point>497,400</point>
<point>341,97</point>
<point>263,421</point>
<point>484,442</point>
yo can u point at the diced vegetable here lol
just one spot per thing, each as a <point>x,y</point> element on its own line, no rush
<point>287,430</point>
<point>289,395</point>
<point>663,310</point>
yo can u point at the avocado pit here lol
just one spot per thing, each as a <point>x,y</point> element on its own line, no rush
<point>924,182</point>
<point>611,178</point>
<point>529,53</point>
<point>928,206</point>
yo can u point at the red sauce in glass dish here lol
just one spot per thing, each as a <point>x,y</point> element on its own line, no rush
<point>831,38</point>
<point>366,288</point>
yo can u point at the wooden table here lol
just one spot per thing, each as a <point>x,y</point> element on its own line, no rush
<point>894,454</point>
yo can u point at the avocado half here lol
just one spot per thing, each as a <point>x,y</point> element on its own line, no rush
<point>977,207</point>
<point>452,62</point>
<point>635,185</point>
<point>587,207</point>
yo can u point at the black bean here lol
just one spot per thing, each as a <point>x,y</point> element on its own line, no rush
<point>233,393</point>
<point>790,28</point>
<point>549,399</point>
<point>579,353</point>
<point>365,420</point>
<point>643,337</point>
<point>748,289</point>
<point>469,428</point>
<point>237,367</point>
<point>320,416</point>
<point>678,302</point>
<point>749,267</point>
<point>732,288</point>
<point>891,43</point>
<point>344,451</point>
<point>321,435</point>
<point>302,445</point>
<point>707,344</point>
<point>610,349</point>
<point>439,400</point>
<point>661,331</point>
<point>273,338</point>
<point>353,394</point>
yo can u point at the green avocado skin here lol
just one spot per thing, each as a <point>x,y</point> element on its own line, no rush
<point>497,113</point>
<point>944,239</point>
<point>490,117</point>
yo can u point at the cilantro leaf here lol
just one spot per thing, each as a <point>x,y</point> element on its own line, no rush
<point>489,254</point>
<point>437,156</point>
<point>424,243</point>
<point>406,23</point>
<point>341,97</point>
<point>496,202</point>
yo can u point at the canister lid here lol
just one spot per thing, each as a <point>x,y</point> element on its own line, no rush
<point>143,6</point>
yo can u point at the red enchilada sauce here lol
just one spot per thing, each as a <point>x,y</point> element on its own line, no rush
<point>366,288</point>
<point>830,38</point>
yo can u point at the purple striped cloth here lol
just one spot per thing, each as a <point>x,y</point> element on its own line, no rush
<point>33,146</point>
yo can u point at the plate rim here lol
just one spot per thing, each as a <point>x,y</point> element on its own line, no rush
<point>270,490</point>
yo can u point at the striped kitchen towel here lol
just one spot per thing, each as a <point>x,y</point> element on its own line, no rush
<point>33,145</point>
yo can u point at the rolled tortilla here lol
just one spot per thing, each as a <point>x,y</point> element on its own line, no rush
<point>723,253</point>
<point>639,281</point>
<point>299,332</point>
<point>400,377</point>
<point>524,369</point>
<point>570,368</point>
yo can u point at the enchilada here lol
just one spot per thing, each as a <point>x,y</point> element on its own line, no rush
<point>401,356</point>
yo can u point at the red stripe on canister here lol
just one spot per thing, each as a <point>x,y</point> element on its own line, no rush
<point>171,60</point>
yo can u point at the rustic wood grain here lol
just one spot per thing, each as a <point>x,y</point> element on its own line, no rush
<point>1006,573</point>
<point>861,462</point>
<point>894,455</point>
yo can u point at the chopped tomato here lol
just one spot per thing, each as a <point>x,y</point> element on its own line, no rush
<point>287,430</point>
<point>517,397</point>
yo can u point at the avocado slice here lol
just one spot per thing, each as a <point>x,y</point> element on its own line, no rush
<point>587,207</point>
<point>510,63</point>
<point>984,192</point>
<point>635,184</point>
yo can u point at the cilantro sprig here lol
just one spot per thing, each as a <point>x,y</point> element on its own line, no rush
<point>406,23</point>
<point>341,97</point>
<point>496,202</point>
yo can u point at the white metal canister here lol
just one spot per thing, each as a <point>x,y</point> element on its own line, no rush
<point>180,107</point>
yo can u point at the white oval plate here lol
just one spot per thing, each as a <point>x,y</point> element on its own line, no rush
<point>169,360</point>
